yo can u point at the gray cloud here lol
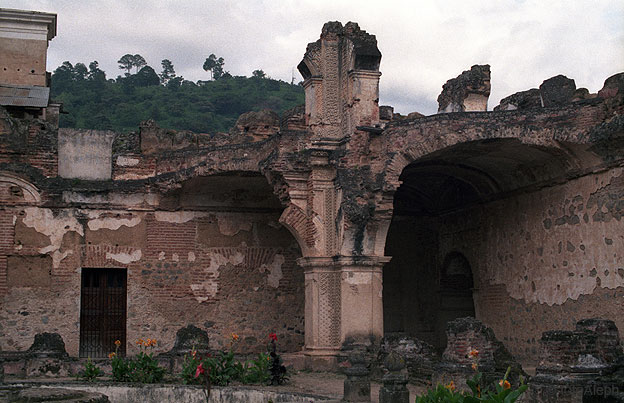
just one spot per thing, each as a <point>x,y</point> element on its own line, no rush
<point>423,43</point>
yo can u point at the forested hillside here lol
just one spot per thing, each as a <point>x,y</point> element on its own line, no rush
<point>92,101</point>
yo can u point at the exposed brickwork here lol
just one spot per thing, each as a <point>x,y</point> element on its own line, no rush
<point>165,238</point>
<point>133,166</point>
<point>471,342</point>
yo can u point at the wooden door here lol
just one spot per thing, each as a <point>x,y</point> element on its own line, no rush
<point>102,312</point>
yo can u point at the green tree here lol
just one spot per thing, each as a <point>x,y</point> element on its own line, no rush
<point>80,71</point>
<point>210,63</point>
<point>126,62</point>
<point>138,62</point>
<point>218,69</point>
<point>215,66</point>
<point>95,73</point>
<point>175,82</point>
<point>258,74</point>
<point>145,77</point>
<point>168,72</point>
<point>62,77</point>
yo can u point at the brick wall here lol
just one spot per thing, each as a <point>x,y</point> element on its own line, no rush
<point>223,272</point>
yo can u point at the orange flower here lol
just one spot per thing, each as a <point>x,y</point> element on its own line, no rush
<point>451,386</point>
<point>153,342</point>
<point>117,343</point>
<point>193,353</point>
<point>140,342</point>
<point>474,366</point>
<point>111,355</point>
<point>505,384</point>
<point>234,337</point>
<point>474,353</point>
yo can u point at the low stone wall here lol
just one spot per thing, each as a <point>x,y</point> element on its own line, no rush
<point>188,394</point>
<point>17,394</point>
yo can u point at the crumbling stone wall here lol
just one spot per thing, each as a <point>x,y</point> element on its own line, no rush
<point>531,198</point>
<point>213,264</point>
<point>584,364</point>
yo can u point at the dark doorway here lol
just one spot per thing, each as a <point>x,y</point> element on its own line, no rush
<point>456,284</point>
<point>102,312</point>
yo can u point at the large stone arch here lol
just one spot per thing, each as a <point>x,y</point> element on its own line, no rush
<point>426,136</point>
<point>520,204</point>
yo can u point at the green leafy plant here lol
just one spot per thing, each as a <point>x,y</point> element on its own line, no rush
<point>121,369</point>
<point>257,370</point>
<point>203,375</point>
<point>143,368</point>
<point>189,367</point>
<point>222,368</point>
<point>90,371</point>
<point>120,366</point>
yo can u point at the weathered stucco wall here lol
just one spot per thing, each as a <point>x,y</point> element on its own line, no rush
<point>540,261</point>
<point>546,259</point>
<point>223,272</point>
<point>85,154</point>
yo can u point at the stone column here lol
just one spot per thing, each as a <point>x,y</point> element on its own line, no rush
<point>343,298</point>
<point>394,389</point>
<point>357,384</point>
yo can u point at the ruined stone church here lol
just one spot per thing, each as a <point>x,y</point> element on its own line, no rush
<point>340,221</point>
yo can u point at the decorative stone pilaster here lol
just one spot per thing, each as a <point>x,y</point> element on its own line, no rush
<point>343,299</point>
<point>394,389</point>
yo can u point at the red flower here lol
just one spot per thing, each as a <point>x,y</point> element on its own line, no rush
<point>200,370</point>
<point>273,336</point>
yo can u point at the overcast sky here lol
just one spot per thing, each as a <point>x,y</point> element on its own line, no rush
<point>423,43</point>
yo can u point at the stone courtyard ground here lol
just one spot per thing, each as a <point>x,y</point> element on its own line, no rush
<point>331,384</point>
<point>324,384</point>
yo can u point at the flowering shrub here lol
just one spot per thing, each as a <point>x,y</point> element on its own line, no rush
<point>222,368</point>
<point>203,375</point>
<point>120,366</point>
<point>502,392</point>
<point>143,368</point>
